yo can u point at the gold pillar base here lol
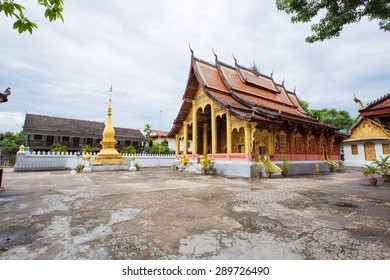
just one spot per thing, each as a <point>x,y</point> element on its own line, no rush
<point>109,155</point>
<point>109,159</point>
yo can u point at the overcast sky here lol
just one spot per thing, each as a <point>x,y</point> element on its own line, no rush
<point>141,48</point>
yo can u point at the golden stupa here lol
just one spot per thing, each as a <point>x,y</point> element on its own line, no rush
<point>108,155</point>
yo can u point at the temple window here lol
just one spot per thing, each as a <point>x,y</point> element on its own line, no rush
<point>298,141</point>
<point>90,140</point>
<point>334,149</point>
<point>282,142</point>
<point>65,138</point>
<point>37,137</point>
<point>354,150</point>
<point>386,148</point>
<point>312,145</point>
<point>135,143</point>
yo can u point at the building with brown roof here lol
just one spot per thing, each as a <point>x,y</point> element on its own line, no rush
<point>234,113</point>
<point>370,134</point>
<point>159,135</point>
<point>43,131</point>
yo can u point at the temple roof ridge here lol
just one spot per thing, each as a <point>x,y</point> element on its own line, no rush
<point>377,101</point>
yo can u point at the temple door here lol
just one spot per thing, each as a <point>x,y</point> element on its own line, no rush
<point>369,151</point>
<point>261,142</point>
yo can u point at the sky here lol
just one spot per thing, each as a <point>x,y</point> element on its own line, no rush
<point>141,48</point>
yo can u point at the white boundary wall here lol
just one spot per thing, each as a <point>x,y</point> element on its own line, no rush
<point>38,161</point>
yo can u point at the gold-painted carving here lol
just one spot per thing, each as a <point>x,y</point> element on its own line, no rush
<point>367,129</point>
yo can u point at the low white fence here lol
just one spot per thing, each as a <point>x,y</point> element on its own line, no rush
<point>38,161</point>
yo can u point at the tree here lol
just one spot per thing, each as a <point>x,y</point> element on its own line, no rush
<point>58,148</point>
<point>129,150</point>
<point>304,104</point>
<point>338,14</point>
<point>340,119</point>
<point>10,144</point>
<point>160,148</point>
<point>148,132</point>
<point>10,8</point>
<point>86,149</point>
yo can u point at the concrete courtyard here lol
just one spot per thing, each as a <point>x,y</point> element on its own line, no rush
<point>166,214</point>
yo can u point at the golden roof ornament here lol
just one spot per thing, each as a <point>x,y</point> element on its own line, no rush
<point>361,107</point>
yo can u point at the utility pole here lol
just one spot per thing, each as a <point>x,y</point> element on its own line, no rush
<point>159,140</point>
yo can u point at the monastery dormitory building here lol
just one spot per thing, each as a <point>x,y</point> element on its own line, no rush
<point>234,113</point>
<point>43,131</point>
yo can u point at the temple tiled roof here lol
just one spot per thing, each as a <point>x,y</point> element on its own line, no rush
<point>378,107</point>
<point>73,127</point>
<point>245,93</point>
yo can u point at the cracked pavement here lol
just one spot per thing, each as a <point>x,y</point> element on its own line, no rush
<point>165,214</point>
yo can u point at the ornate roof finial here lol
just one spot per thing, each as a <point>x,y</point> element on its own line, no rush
<point>235,59</point>
<point>272,73</point>
<point>358,101</point>
<point>192,52</point>
<point>283,82</point>
<point>216,57</point>
<point>295,89</point>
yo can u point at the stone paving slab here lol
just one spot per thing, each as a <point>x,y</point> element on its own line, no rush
<point>165,214</point>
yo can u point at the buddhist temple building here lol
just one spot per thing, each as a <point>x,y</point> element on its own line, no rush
<point>370,134</point>
<point>234,113</point>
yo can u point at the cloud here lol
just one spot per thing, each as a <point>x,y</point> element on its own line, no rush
<point>66,69</point>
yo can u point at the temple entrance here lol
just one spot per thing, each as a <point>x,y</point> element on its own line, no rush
<point>261,142</point>
<point>369,151</point>
<point>238,140</point>
<point>263,151</point>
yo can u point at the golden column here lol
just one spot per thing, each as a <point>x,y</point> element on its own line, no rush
<point>213,130</point>
<point>194,128</point>
<point>247,138</point>
<point>229,133</point>
<point>108,155</point>
<point>185,144</point>
<point>205,144</point>
<point>177,149</point>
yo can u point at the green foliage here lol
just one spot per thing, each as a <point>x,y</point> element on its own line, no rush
<point>148,132</point>
<point>370,170</point>
<point>383,164</point>
<point>54,9</point>
<point>160,148</point>
<point>11,143</point>
<point>137,166</point>
<point>340,119</point>
<point>58,148</point>
<point>286,165</point>
<point>304,104</point>
<point>80,167</point>
<point>337,14</point>
<point>129,150</point>
<point>86,149</point>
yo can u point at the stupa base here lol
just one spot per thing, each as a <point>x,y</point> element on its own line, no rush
<point>100,168</point>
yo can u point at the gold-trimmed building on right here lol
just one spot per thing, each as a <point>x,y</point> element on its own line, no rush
<point>370,134</point>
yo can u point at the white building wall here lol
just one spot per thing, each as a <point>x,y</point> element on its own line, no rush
<point>359,160</point>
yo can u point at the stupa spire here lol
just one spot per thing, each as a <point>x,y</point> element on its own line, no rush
<point>108,155</point>
<point>109,132</point>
